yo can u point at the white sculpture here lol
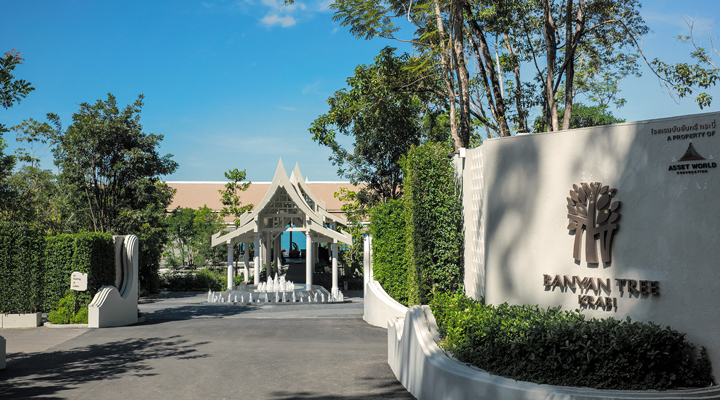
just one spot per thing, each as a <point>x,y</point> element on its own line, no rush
<point>113,307</point>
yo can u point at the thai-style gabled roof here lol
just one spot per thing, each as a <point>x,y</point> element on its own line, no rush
<point>297,179</point>
<point>288,205</point>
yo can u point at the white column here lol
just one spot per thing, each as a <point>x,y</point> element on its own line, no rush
<point>246,260</point>
<point>230,266</point>
<point>268,255</point>
<point>334,267</point>
<point>308,260</point>
<point>367,261</point>
<point>277,246</point>
<point>256,258</point>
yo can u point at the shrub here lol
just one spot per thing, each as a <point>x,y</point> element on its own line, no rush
<point>563,348</point>
<point>387,227</point>
<point>70,310</point>
<point>434,223</point>
<point>206,279</point>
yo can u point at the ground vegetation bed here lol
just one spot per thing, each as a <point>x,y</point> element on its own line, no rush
<point>551,346</point>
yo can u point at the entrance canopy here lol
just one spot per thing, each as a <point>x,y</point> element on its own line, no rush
<point>288,205</point>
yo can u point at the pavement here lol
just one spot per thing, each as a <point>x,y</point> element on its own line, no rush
<point>189,349</point>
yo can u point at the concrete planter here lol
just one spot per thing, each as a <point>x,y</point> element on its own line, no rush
<point>30,320</point>
<point>2,352</point>
<point>428,373</point>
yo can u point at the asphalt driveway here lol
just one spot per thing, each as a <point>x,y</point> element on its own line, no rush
<point>191,350</point>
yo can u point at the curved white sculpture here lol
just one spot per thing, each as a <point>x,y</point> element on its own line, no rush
<point>424,369</point>
<point>113,307</point>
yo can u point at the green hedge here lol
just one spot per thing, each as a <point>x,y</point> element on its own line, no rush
<point>21,268</point>
<point>35,270</point>
<point>206,279</point>
<point>562,348</point>
<point>387,227</point>
<point>87,252</point>
<point>434,223</point>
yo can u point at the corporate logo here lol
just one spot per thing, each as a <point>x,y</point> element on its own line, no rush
<point>692,167</point>
<point>592,211</point>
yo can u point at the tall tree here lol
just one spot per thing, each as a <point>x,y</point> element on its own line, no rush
<point>112,168</point>
<point>555,38</point>
<point>387,107</point>
<point>230,196</point>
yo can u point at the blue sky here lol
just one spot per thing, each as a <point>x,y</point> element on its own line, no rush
<point>236,84</point>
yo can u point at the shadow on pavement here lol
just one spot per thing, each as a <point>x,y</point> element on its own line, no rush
<point>194,311</point>
<point>388,388</point>
<point>49,373</point>
<point>154,298</point>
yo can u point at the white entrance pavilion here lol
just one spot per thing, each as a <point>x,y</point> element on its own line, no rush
<point>288,206</point>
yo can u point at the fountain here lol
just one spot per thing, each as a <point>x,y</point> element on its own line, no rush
<point>280,288</point>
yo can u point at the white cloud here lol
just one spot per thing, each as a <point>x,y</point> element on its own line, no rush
<point>275,19</point>
<point>324,5</point>
<point>311,88</point>
<point>208,5</point>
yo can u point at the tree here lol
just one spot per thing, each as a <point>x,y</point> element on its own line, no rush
<point>11,91</point>
<point>189,236</point>
<point>582,117</point>
<point>110,169</point>
<point>556,39</point>
<point>681,78</point>
<point>387,108</point>
<point>230,198</point>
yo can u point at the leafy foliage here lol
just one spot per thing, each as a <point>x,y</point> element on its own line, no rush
<point>230,198</point>
<point>92,253</point>
<point>390,269</point>
<point>384,117</point>
<point>189,234</point>
<point>434,223</point>
<point>22,266</point>
<point>556,347</point>
<point>110,173</point>
<point>35,270</point>
<point>545,54</point>
<point>355,212</point>
<point>582,117</point>
<point>11,91</point>
<point>206,279</point>
<point>683,78</point>
<point>69,311</point>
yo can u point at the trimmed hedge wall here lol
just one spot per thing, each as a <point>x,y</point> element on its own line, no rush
<point>21,268</point>
<point>434,223</point>
<point>87,252</point>
<point>35,270</point>
<point>550,346</point>
<point>387,227</point>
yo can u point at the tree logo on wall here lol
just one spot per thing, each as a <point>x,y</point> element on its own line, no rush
<point>591,209</point>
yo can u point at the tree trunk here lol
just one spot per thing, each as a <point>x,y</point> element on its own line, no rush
<point>551,55</point>
<point>487,59</point>
<point>446,75</point>
<point>462,72</point>
<point>570,46</point>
